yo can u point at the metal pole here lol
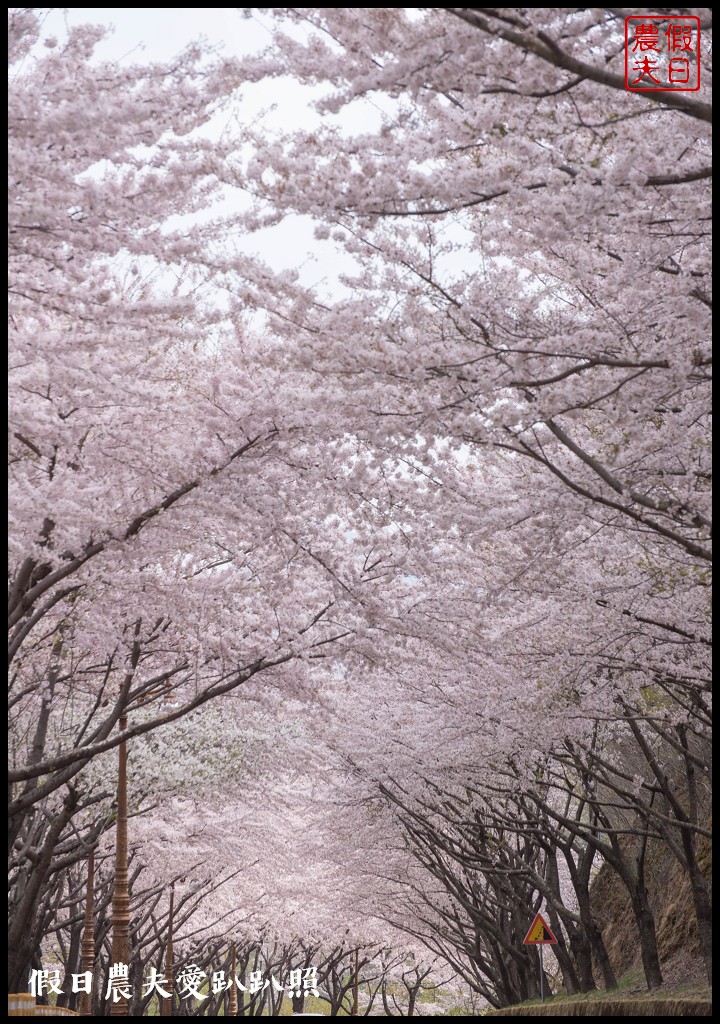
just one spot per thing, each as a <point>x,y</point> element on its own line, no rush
<point>87,955</point>
<point>542,994</point>
<point>121,891</point>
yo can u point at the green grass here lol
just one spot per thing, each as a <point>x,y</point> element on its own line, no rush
<point>630,985</point>
<point>312,1005</point>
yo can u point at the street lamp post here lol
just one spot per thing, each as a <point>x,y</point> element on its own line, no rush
<point>166,1001</point>
<point>87,950</point>
<point>356,983</point>
<point>121,891</point>
<point>232,1001</point>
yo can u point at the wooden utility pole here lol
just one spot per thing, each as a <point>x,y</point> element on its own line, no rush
<point>166,1001</point>
<point>121,891</point>
<point>87,950</point>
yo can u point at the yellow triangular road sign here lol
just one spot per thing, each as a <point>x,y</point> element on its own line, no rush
<point>539,933</point>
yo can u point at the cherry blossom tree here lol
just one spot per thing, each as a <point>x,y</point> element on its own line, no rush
<point>168,539</point>
<point>531,247</point>
<point>532,267</point>
<point>453,513</point>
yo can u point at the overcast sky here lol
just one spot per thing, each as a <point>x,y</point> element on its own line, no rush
<point>143,35</point>
<point>156,33</point>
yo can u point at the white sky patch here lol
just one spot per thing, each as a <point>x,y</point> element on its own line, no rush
<point>146,35</point>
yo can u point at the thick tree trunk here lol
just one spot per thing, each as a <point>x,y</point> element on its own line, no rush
<point>703,908</point>
<point>601,955</point>
<point>21,943</point>
<point>648,938</point>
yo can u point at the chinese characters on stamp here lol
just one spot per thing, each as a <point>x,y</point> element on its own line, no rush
<point>662,53</point>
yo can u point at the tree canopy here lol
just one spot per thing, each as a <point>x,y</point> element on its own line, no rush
<point>400,581</point>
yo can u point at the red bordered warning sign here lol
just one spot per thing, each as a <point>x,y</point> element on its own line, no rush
<point>539,933</point>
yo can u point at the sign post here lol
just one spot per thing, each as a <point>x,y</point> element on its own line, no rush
<point>539,934</point>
